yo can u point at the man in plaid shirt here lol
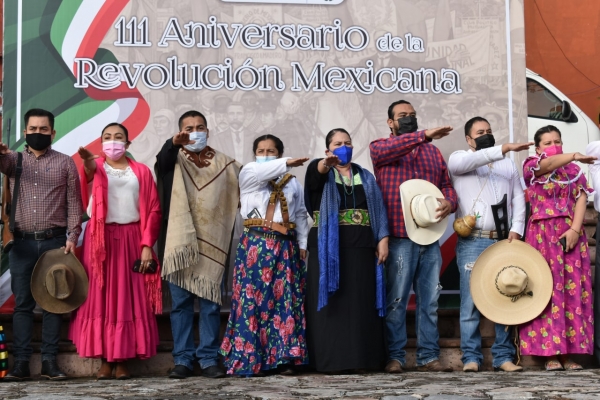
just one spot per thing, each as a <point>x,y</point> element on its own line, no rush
<point>47,217</point>
<point>407,154</point>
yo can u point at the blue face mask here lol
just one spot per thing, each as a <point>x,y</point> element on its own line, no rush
<point>200,138</point>
<point>263,159</point>
<point>344,153</point>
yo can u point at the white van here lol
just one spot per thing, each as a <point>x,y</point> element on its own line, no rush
<point>546,105</point>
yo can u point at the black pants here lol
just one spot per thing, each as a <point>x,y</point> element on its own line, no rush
<point>21,260</point>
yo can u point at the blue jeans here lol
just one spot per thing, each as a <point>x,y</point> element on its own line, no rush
<point>182,320</point>
<point>21,260</point>
<point>410,264</point>
<point>467,251</point>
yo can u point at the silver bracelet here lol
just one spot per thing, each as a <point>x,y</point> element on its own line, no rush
<point>325,165</point>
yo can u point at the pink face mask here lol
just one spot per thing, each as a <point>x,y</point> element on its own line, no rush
<point>553,150</point>
<point>113,149</point>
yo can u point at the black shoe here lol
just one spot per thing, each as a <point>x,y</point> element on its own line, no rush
<point>19,372</point>
<point>180,372</point>
<point>51,371</point>
<point>214,371</point>
<point>286,370</point>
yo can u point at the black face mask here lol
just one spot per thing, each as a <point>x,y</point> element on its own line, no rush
<point>38,141</point>
<point>484,141</point>
<point>407,124</point>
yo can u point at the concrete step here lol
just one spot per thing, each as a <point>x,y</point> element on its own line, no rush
<point>448,325</point>
<point>160,364</point>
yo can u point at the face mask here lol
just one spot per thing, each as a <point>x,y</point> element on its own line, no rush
<point>38,141</point>
<point>344,153</point>
<point>553,150</point>
<point>407,124</point>
<point>200,138</point>
<point>113,149</point>
<point>484,141</point>
<point>264,159</point>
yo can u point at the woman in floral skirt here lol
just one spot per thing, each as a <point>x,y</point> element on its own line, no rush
<point>266,328</point>
<point>558,193</point>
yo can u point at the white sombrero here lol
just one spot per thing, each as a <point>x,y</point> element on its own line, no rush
<point>511,283</point>
<point>419,201</point>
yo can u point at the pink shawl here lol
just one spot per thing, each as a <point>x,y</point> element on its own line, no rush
<point>150,219</point>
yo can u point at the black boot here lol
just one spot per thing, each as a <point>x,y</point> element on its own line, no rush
<point>19,372</point>
<point>51,371</point>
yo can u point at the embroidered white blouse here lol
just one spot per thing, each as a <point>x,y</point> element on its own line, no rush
<point>469,171</point>
<point>255,192</point>
<point>123,196</point>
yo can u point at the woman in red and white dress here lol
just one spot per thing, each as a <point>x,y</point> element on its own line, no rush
<point>117,321</point>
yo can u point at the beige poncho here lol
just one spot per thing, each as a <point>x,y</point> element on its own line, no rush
<point>204,202</point>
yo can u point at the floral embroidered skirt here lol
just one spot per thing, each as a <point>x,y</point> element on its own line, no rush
<point>566,326</point>
<point>266,326</point>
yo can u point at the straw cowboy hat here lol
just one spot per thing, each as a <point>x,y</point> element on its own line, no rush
<point>419,201</point>
<point>511,283</point>
<point>59,283</point>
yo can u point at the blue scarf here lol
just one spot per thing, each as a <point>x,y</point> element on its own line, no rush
<point>329,246</point>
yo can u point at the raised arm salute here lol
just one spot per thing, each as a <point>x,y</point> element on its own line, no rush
<point>195,238</point>
<point>348,245</point>
<point>558,193</point>
<point>47,216</point>
<point>482,175</point>
<point>403,156</point>
<point>269,272</point>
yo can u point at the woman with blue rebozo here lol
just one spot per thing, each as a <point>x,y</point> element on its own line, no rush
<point>348,244</point>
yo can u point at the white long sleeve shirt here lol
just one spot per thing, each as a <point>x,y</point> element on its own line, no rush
<point>593,149</point>
<point>255,192</point>
<point>469,171</point>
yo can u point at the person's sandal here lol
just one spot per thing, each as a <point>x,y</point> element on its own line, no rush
<point>572,366</point>
<point>553,365</point>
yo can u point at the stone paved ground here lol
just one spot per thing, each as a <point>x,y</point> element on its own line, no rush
<point>408,386</point>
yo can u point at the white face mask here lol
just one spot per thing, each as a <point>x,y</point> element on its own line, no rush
<point>200,138</point>
<point>263,159</point>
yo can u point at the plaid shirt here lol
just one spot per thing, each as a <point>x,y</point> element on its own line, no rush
<point>49,193</point>
<point>394,163</point>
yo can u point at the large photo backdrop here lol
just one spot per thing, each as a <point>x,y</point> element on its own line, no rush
<point>296,69</point>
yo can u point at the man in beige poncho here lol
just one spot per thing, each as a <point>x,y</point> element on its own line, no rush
<point>199,197</point>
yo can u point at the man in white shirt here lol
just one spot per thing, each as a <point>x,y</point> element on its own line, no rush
<point>593,149</point>
<point>481,176</point>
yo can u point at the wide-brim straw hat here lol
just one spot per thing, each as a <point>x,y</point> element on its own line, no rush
<point>428,231</point>
<point>59,283</point>
<point>497,268</point>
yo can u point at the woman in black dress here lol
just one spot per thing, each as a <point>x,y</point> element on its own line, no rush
<point>348,243</point>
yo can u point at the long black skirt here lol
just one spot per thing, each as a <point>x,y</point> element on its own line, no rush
<point>347,333</point>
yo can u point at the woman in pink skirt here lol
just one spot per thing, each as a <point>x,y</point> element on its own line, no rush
<point>558,191</point>
<point>117,320</point>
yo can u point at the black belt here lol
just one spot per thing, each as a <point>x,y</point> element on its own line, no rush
<point>269,235</point>
<point>41,235</point>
